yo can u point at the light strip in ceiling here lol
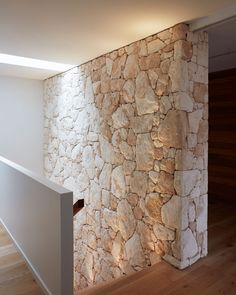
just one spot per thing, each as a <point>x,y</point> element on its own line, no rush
<point>33,63</point>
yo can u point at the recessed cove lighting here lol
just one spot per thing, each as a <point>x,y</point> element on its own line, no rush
<point>33,63</point>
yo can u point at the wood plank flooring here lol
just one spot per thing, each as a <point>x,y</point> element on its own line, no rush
<point>15,277</point>
<point>213,275</point>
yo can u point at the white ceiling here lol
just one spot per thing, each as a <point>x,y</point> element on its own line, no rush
<point>75,31</point>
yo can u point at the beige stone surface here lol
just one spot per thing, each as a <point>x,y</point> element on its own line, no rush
<point>128,133</point>
<point>145,97</point>
<point>138,183</point>
<point>173,130</point>
<point>134,251</point>
<point>153,205</point>
<point>118,185</point>
<point>126,220</point>
<point>163,233</point>
<point>186,181</point>
<point>179,75</point>
<point>144,152</point>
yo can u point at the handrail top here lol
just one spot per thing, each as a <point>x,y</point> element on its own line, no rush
<point>46,182</point>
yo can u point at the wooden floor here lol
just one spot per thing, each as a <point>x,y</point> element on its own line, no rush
<point>213,275</point>
<point>15,277</point>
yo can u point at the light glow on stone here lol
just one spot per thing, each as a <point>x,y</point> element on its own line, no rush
<point>33,63</point>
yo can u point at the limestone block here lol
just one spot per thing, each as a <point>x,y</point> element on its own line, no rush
<point>131,67</point>
<point>138,213</point>
<point>95,196</point>
<point>163,233</point>
<point>109,63</point>
<point>82,181</point>
<point>116,251</point>
<point>128,167</point>
<point>153,77</point>
<point>87,267</point>
<point>106,240</point>
<point>173,129</point>
<point>117,66</point>
<point>204,182</point>
<point>149,62</point>
<point>126,150</point>
<point>105,177</point>
<point>128,91</point>
<point>107,152</point>
<point>200,92</point>
<point>131,138</point>
<point>119,118</point>
<point>201,75</point>
<point>155,46</point>
<point>191,212</point>
<point>143,48</point>
<point>165,183</point>
<point>99,162</point>
<point>82,122</point>
<point>171,212</point>
<point>126,220</point>
<point>164,35</point>
<point>117,84</point>
<point>154,176</point>
<point>202,54</point>
<point>189,246</point>
<point>185,181</point>
<point>145,235</point>
<point>144,152</point>
<point>168,165</point>
<point>138,183</point>
<point>153,204</point>
<point>142,124</point>
<point>178,73</point>
<point>146,100</point>
<point>110,103</point>
<point>184,160</point>
<point>192,140</point>
<point>105,198</point>
<point>179,32</point>
<point>201,214</point>
<point>165,65</point>
<point>134,251</point>
<point>183,102</point>
<point>118,185</point>
<point>165,104</point>
<point>194,120</point>
<point>89,161</point>
<point>111,219</point>
<point>105,130</point>
<point>183,50</point>
<point>132,199</point>
<point>89,95</point>
<point>202,136</point>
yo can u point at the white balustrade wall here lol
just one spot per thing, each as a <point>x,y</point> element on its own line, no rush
<point>38,216</point>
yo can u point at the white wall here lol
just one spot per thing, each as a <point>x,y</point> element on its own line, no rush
<point>21,121</point>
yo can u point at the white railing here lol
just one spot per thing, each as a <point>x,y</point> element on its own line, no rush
<point>38,216</point>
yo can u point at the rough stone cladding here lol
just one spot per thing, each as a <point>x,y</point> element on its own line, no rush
<point>128,132</point>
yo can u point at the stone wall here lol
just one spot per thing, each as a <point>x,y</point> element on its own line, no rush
<point>128,133</point>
